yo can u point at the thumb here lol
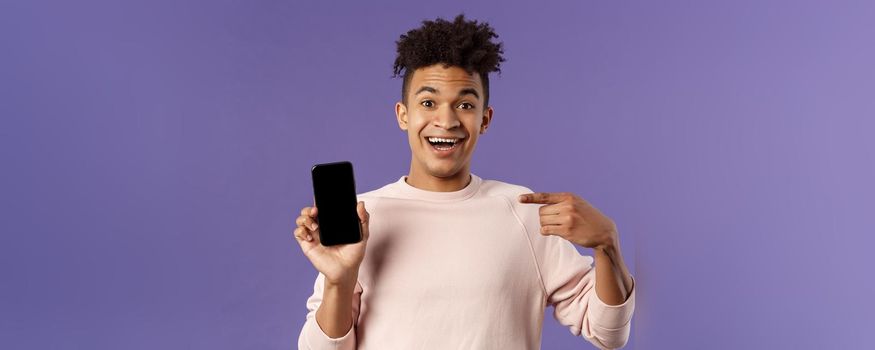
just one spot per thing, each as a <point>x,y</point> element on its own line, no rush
<point>364,217</point>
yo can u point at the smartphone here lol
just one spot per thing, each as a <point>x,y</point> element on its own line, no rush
<point>334,190</point>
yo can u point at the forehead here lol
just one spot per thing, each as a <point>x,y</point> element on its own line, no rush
<point>449,78</point>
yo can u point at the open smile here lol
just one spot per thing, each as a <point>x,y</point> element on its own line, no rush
<point>443,145</point>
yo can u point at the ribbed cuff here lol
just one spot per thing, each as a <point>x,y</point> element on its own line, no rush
<point>611,316</point>
<point>317,339</point>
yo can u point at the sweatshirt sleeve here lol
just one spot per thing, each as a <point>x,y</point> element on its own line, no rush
<point>569,284</point>
<point>312,337</point>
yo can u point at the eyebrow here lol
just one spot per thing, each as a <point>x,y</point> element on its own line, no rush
<point>465,91</point>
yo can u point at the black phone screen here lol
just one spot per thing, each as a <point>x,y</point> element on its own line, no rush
<point>334,190</point>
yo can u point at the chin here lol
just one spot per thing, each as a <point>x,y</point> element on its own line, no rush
<point>443,171</point>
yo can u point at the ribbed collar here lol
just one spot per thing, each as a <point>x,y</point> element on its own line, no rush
<point>405,190</point>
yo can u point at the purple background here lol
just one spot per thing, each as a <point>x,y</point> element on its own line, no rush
<point>155,154</point>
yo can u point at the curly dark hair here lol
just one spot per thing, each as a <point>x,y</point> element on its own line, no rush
<point>462,43</point>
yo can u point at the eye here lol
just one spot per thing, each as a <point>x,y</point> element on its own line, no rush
<point>466,105</point>
<point>427,103</point>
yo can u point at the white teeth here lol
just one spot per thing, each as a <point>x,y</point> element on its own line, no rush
<point>438,139</point>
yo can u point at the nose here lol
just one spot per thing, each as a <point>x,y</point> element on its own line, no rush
<point>446,118</point>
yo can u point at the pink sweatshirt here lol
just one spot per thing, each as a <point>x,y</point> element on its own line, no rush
<point>466,270</point>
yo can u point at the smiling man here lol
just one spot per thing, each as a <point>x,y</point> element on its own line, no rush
<point>443,125</point>
<point>452,261</point>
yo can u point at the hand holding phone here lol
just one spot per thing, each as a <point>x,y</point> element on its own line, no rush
<point>334,232</point>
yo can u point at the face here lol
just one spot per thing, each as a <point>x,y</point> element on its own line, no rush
<point>443,118</point>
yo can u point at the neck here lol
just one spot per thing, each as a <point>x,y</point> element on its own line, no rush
<point>424,181</point>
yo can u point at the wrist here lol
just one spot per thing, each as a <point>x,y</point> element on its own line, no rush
<point>610,245</point>
<point>342,283</point>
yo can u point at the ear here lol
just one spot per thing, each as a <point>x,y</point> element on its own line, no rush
<point>487,118</point>
<point>401,115</point>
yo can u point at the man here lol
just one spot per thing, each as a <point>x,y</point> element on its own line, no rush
<point>452,261</point>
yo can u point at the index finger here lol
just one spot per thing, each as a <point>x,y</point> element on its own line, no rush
<point>542,198</point>
<point>309,211</point>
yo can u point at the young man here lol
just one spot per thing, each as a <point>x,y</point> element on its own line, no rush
<point>450,260</point>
